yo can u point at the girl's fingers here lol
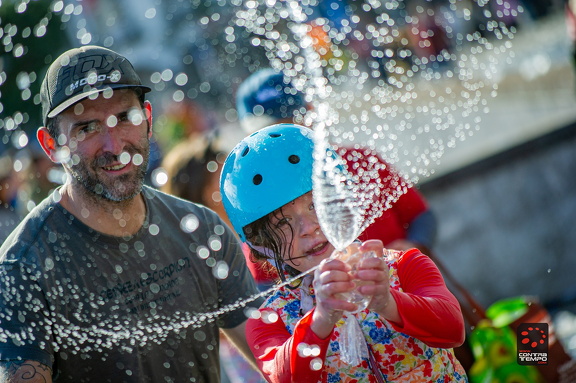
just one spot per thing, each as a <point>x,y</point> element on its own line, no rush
<point>333,288</point>
<point>372,269</point>
<point>373,290</point>
<point>374,245</point>
<point>371,275</point>
<point>334,304</point>
<point>333,264</point>
<point>372,263</point>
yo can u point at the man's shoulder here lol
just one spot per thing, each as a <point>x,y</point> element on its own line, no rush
<point>32,229</point>
<point>178,205</point>
<point>156,196</point>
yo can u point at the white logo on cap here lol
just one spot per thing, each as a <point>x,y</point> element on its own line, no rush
<point>92,79</point>
<point>115,76</point>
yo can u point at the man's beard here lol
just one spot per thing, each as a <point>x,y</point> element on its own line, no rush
<point>121,188</point>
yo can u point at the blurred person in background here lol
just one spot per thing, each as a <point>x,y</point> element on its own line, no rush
<point>10,181</point>
<point>193,169</point>
<point>570,15</point>
<point>267,97</point>
<point>42,175</point>
<point>181,120</point>
<point>27,176</point>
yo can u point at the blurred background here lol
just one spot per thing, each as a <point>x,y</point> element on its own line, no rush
<point>504,193</point>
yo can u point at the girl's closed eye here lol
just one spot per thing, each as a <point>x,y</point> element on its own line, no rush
<point>283,222</point>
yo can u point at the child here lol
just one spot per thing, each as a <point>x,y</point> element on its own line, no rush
<point>412,320</point>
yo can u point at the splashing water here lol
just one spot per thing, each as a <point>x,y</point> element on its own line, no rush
<point>392,84</point>
<point>416,98</point>
<point>418,86</point>
<point>103,331</point>
<point>334,199</point>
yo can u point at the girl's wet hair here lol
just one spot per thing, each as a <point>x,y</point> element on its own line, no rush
<point>263,233</point>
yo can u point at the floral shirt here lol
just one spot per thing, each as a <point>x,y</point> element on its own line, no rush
<point>400,355</point>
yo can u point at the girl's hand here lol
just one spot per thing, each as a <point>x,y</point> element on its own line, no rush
<point>374,271</point>
<point>331,279</point>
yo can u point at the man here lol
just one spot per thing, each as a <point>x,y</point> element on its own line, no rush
<point>107,279</point>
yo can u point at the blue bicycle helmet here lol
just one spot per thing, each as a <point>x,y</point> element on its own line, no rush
<point>265,93</point>
<point>265,171</point>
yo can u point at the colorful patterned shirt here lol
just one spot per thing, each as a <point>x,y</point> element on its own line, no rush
<point>419,350</point>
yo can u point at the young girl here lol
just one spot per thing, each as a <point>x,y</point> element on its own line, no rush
<point>412,321</point>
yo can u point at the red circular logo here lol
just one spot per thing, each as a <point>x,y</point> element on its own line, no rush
<point>533,337</point>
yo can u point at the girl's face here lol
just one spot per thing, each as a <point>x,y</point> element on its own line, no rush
<point>299,224</point>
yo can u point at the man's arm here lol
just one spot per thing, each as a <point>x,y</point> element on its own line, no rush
<point>24,371</point>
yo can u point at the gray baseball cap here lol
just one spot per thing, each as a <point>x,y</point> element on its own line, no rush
<point>81,72</point>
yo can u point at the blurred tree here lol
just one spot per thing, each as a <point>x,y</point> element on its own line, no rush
<point>32,35</point>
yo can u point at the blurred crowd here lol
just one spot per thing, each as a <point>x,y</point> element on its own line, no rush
<point>27,176</point>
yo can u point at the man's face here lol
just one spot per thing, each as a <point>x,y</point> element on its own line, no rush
<point>104,144</point>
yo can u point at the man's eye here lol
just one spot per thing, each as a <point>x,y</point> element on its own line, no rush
<point>135,116</point>
<point>311,207</point>
<point>89,128</point>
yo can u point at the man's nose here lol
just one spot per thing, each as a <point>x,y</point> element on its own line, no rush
<point>111,140</point>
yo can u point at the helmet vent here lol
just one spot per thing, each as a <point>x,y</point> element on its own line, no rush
<point>293,159</point>
<point>245,151</point>
<point>257,180</point>
<point>275,135</point>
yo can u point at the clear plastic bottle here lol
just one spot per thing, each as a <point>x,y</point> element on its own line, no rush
<point>353,257</point>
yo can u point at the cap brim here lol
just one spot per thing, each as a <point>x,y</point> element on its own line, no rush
<point>78,97</point>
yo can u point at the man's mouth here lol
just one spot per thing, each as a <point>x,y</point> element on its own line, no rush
<point>114,167</point>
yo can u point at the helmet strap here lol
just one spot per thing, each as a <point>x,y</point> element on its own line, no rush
<point>270,255</point>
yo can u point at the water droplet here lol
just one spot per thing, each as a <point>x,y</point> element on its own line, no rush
<point>154,229</point>
<point>189,223</point>
<point>316,364</point>
<point>220,270</point>
<point>124,158</point>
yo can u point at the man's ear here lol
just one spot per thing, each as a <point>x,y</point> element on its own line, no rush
<point>148,111</point>
<point>47,142</point>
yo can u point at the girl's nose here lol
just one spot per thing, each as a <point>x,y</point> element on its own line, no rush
<point>309,225</point>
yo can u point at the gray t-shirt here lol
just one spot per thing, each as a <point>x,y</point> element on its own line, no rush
<point>98,308</point>
<point>9,219</point>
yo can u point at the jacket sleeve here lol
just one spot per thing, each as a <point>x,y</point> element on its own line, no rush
<point>283,357</point>
<point>429,311</point>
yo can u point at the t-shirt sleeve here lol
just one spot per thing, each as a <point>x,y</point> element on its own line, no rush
<point>25,324</point>
<point>281,356</point>
<point>237,286</point>
<point>429,311</point>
